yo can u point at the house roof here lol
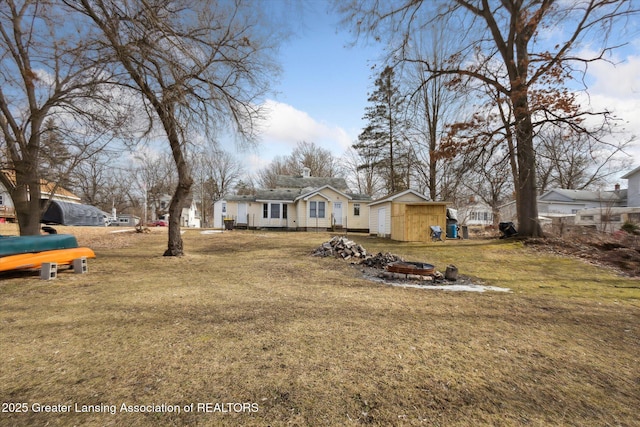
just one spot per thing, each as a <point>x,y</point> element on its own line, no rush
<point>307,194</point>
<point>630,174</point>
<point>392,197</point>
<point>294,188</point>
<point>47,188</point>
<point>285,181</point>
<point>568,196</point>
<point>286,194</point>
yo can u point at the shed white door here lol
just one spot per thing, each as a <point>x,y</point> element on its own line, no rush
<point>337,213</point>
<point>242,213</point>
<point>381,220</point>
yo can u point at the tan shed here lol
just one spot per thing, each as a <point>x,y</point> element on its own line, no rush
<point>406,216</point>
<point>411,222</point>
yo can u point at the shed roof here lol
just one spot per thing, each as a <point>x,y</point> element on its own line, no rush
<point>392,197</point>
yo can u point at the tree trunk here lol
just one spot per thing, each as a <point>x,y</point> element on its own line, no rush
<point>175,245</point>
<point>26,198</point>
<point>185,181</point>
<point>526,190</point>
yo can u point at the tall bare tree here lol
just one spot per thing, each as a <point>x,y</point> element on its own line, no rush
<point>433,104</point>
<point>199,65</point>
<point>575,160</point>
<point>49,69</point>
<point>505,35</point>
<point>216,173</point>
<point>320,161</point>
<point>361,175</point>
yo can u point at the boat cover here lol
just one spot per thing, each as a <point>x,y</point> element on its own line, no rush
<point>13,245</point>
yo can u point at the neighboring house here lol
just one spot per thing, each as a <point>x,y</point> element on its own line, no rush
<point>406,216</point>
<point>297,203</point>
<point>607,219</point>
<point>633,187</point>
<point>562,202</point>
<point>126,220</point>
<point>64,207</point>
<point>476,214</point>
<point>189,217</point>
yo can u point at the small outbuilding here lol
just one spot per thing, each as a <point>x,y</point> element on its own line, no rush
<point>406,216</point>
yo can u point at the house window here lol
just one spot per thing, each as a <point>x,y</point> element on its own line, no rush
<point>224,208</point>
<point>610,218</point>
<point>1,200</point>
<point>586,217</point>
<point>316,209</point>
<point>356,209</point>
<point>275,210</point>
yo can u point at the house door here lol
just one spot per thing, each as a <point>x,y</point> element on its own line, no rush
<point>337,213</point>
<point>381,219</point>
<point>242,213</point>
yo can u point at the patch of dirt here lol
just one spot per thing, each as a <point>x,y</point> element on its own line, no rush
<point>620,252</point>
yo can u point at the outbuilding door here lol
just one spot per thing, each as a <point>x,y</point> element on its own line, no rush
<point>382,213</point>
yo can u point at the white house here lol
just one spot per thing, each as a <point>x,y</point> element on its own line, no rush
<point>633,187</point>
<point>189,217</point>
<point>297,203</point>
<point>475,214</point>
<point>560,202</point>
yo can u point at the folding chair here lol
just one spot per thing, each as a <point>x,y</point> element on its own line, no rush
<point>436,233</point>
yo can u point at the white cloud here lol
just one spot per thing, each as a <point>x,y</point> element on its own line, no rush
<point>616,88</point>
<point>286,126</point>
<point>619,81</point>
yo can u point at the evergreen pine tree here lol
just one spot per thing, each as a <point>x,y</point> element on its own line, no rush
<point>381,143</point>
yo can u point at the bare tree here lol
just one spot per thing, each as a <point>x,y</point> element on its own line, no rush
<point>320,162</point>
<point>49,69</point>
<point>433,105</point>
<point>504,36</point>
<point>267,177</point>
<point>199,65</point>
<point>575,160</point>
<point>216,172</point>
<point>362,176</point>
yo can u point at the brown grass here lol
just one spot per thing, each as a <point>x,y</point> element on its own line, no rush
<point>249,317</point>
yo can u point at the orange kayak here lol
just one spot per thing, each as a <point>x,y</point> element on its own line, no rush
<point>35,260</point>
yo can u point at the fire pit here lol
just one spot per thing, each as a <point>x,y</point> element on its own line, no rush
<point>407,267</point>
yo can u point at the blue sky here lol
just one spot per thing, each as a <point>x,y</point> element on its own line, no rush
<point>323,91</point>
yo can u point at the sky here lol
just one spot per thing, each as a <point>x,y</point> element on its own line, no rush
<point>322,93</point>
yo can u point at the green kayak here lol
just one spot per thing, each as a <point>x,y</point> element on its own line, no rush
<point>13,245</point>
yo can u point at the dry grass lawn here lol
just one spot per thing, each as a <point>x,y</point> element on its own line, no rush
<point>248,329</point>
